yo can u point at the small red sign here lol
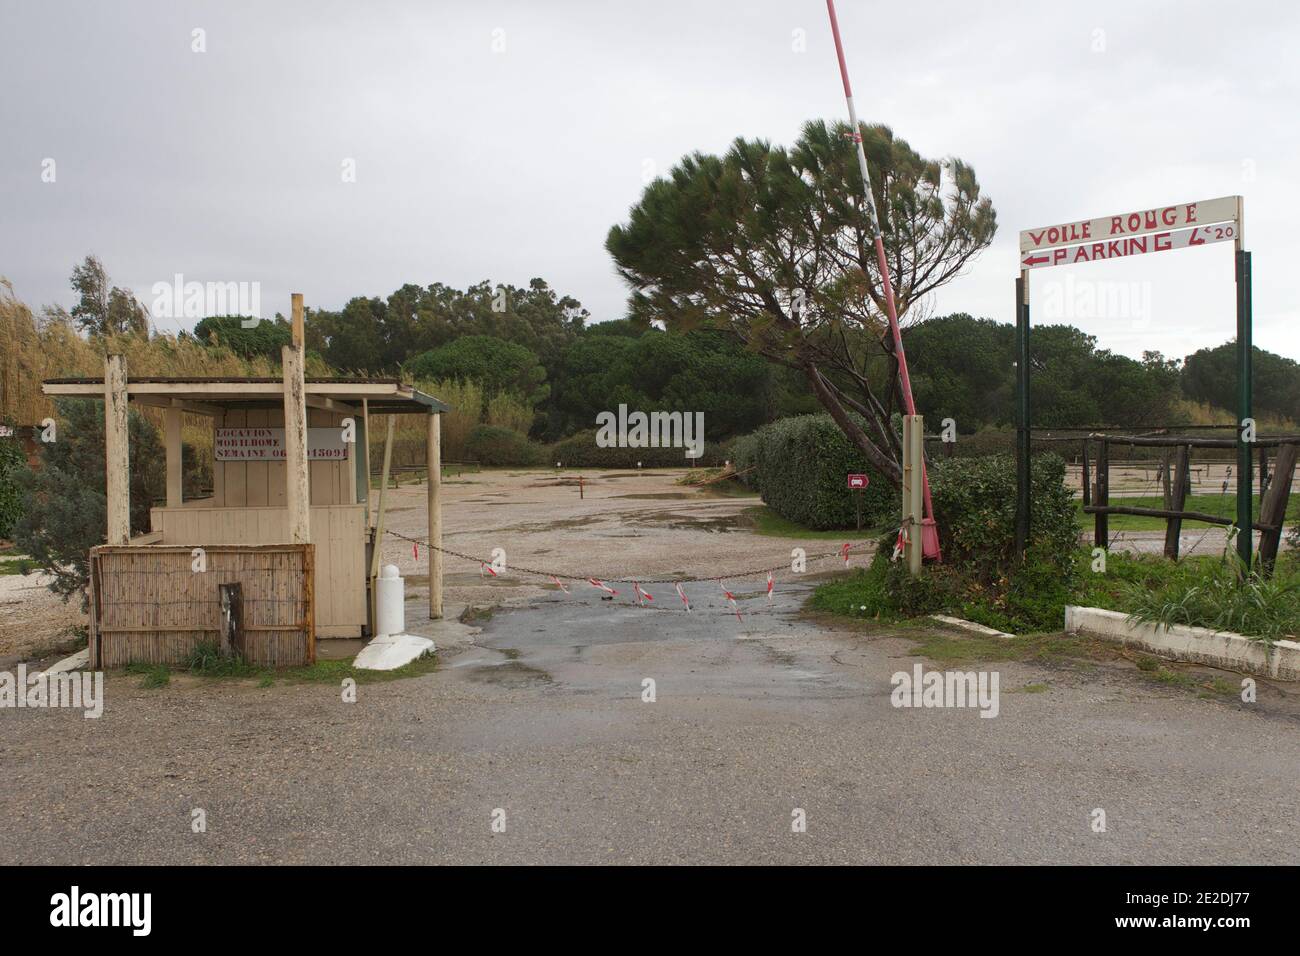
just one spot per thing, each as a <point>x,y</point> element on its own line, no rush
<point>857,481</point>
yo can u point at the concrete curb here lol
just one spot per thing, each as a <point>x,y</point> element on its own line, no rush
<point>971,626</point>
<point>1196,644</point>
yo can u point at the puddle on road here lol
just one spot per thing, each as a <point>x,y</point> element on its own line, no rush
<point>510,674</point>
<point>662,496</point>
<point>716,524</point>
<point>501,667</point>
<point>561,524</point>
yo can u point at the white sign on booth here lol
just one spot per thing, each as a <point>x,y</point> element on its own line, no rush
<point>267,444</point>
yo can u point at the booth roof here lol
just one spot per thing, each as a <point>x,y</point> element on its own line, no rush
<point>385,395</point>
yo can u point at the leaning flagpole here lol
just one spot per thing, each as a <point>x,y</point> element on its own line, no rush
<point>930,534</point>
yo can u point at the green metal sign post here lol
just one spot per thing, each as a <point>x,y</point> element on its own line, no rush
<point>1245,425</point>
<point>1022,414</point>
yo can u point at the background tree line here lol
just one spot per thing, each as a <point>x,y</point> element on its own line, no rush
<point>549,370</point>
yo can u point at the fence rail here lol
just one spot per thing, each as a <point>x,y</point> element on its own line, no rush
<point>1175,486</point>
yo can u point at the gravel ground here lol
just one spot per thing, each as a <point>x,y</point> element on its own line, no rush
<point>624,523</point>
<point>33,620</point>
<point>542,717</point>
<point>539,714</point>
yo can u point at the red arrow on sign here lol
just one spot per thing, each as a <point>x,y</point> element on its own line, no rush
<point>1035,260</point>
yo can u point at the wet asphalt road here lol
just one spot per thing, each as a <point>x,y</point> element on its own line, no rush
<point>543,718</point>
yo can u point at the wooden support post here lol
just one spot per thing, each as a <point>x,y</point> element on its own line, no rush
<point>232,618</point>
<point>1176,500</point>
<point>1085,476</point>
<point>117,451</point>
<point>1263,472</point>
<point>297,474</point>
<point>1272,509</point>
<point>297,332</point>
<point>433,457</point>
<point>1166,489</point>
<point>1101,527</point>
<point>309,600</point>
<point>917,452</point>
<point>913,507</point>
<point>378,548</point>
<point>365,425</point>
<point>175,472</point>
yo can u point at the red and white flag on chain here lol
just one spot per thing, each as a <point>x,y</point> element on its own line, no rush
<point>732,598</point>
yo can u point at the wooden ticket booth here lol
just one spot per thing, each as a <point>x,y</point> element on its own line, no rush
<point>289,518</point>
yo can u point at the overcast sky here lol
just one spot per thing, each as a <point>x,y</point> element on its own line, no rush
<point>501,140</point>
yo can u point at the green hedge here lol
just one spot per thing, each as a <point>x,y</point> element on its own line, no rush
<point>12,461</point>
<point>494,445</point>
<point>802,468</point>
<point>975,506</point>
<point>581,451</point>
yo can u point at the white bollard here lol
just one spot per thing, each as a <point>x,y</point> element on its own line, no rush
<point>390,615</point>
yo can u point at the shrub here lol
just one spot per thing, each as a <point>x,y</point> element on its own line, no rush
<point>494,445</point>
<point>742,452</point>
<point>64,511</point>
<point>12,463</point>
<point>887,590</point>
<point>1031,596</point>
<point>975,506</point>
<point>802,467</point>
<point>508,410</point>
<point>974,501</point>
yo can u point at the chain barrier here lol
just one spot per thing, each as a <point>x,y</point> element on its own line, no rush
<point>842,553</point>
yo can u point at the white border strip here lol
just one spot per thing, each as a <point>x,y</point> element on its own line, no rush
<point>966,625</point>
<point>1196,644</point>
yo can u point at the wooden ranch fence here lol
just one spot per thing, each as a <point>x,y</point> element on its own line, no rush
<point>148,604</point>
<point>1275,488</point>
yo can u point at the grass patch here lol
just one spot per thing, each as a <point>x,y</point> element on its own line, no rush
<point>16,566</point>
<point>207,662</point>
<point>1208,688</point>
<point>334,672</point>
<point>1209,592</point>
<point>1200,591</point>
<point>476,615</point>
<point>768,522</point>
<point>152,676</point>
<point>947,648</point>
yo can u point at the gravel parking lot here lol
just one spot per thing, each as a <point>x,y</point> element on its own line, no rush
<point>538,719</point>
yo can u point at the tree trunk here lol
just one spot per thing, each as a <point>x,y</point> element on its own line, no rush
<point>883,463</point>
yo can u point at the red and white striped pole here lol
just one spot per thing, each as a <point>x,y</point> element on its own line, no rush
<point>930,534</point>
